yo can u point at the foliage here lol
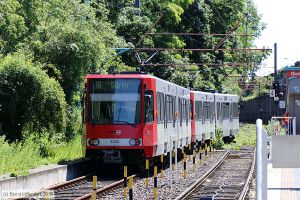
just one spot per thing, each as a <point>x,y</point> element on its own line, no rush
<point>47,47</point>
<point>29,99</point>
<point>245,137</point>
<point>218,143</point>
<point>36,151</point>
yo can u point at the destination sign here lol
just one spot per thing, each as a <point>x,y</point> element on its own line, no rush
<point>115,85</point>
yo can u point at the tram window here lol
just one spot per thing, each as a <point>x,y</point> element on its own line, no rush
<point>184,110</point>
<point>207,110</point>
<point>196,109</point>
<point>187,105</point>
<point>212,114</point>
<point>180,111</point>
<point>218,110</point>
<point>225,110</point>
<point>160,107</point>
<point>149,110</point>
<point>170,108</point>
<point>199,110</point>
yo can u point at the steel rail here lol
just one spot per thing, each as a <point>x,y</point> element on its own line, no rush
<point>199,181</point>
<point>112,186</point>
<point>249,178</point>
<point>67,183</point>
<point>59,185</point>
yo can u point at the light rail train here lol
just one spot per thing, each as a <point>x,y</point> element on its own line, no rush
<point>131,117</point>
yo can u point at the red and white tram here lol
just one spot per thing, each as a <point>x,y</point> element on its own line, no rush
<point>130,117</point>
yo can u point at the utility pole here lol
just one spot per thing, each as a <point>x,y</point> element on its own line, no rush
<point>137,4</point>
<point>275,61</point>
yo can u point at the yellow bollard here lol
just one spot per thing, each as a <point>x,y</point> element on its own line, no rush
<point>130,188</point>
<point>47,195</point>
<point>173,160</point>
<point>194,159</point>
<point>184,165</point>
<point>94,187</point>
<point>205,153</point>
<point>155,182</point>
<point>200,155</point>
<point>147,171</point>
<point>162,165</point>
<point>125,182</point>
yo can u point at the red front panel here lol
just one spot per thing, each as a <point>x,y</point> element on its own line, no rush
<point>118,135</point>
<point>150,129</point>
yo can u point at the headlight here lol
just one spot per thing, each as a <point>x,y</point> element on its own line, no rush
<point>94,142</point>
<point>134,142</point>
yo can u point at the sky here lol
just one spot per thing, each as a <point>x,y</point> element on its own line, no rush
<point>283,28</point>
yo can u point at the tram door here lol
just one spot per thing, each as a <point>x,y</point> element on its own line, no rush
<point>297,114</point>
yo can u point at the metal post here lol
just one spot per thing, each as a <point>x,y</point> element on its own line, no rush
<point>147,171</point>
<point>162,165</point>
<point>155,182</point>
<point>173,160</point>
<point>190,149</point>
<point>130,188</point>
<point>200,154</point>
<point>176,145</point>
<point>205,151</point>
<point>261,186</point>
<point>194,159</point>
<point>184,165</point>
<point>125,182</point>
<point>170,155</point>
<point>210,148</point>
<point>294,126</point>
<point>275,61</point>
<point>94,188</point>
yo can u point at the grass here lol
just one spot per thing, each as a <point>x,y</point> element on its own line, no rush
<point>18,157</point>
<point>246,137</point>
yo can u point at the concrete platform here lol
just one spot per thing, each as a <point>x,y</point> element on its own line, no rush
<point>45,176</point>
<point>283,183</point>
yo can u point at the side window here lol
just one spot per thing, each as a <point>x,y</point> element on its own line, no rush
<point>192,109</point>
<point>207,110</point>
<point>225,110</point>
<point>160,107</point>
<point>197,109</point>
<point>218,110</point>
<point>180,111</point>
<point>183,107</point>
<point>149,108</point>
<point>170,108</point>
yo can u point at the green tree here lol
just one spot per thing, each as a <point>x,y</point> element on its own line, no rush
<point>29,99</point>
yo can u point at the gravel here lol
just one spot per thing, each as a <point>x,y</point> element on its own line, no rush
<point>179,183</point>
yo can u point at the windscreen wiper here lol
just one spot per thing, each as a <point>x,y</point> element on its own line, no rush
<point>126,122</point>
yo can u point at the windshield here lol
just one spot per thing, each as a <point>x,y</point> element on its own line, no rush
<point>115,101</point>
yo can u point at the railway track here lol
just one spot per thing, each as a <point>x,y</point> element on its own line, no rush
<point>81,188</point>
<point>222,176</point>
<point>229,179</point>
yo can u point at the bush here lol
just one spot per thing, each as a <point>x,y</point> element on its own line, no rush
<point>218,143</point>
<point>29,99</point>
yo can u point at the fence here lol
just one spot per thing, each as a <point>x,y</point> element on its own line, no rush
<point>262,107</point>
